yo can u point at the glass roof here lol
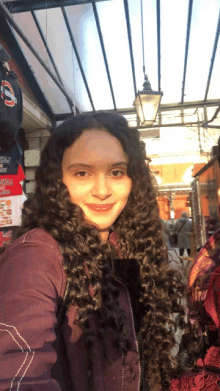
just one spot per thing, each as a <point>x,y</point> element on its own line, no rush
<point>173,37</point>
<point>93,60</point>
<point>204,21</point>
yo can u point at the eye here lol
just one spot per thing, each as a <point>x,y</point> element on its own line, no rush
<point>81,174</point>
<point>118,173</point>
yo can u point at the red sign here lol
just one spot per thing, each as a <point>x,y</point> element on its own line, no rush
<point>10,184</point>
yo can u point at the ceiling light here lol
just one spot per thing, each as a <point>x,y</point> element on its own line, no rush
<point>147,103</point>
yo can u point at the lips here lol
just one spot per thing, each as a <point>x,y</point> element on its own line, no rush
<point>100,207</point>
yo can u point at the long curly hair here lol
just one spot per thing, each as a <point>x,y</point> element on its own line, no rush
<point>156,290</point>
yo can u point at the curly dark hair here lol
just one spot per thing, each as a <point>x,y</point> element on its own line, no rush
<point>156,291</point>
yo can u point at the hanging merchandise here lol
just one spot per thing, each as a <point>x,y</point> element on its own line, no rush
<point>11,106</point>
<point>10,184</point>
<point>11,210</point>
<point>9,157</point>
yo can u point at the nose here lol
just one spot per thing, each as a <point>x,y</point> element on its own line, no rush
<point>101,187</point>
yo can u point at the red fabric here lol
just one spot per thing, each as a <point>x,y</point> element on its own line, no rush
<point>203,267</point>
<point>204,285</point>
<point>203,381</point>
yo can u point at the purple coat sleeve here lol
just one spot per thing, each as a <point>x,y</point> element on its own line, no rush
<point>31,281</point>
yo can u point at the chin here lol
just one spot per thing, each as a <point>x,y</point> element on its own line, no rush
<point>98,225</point>
<point>103,227</point>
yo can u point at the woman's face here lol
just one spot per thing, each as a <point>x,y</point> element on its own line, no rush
<point>95,173</point>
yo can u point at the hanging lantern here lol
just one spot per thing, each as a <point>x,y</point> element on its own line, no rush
<point>147,103</point>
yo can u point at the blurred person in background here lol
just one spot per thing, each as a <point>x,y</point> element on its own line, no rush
<point>183,228</point>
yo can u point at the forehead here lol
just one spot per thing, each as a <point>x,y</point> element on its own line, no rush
<point>95,146</point>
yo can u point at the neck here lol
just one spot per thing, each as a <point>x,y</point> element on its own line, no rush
<point>104,235</point>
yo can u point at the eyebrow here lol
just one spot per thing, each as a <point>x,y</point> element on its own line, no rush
<point>89,166</point>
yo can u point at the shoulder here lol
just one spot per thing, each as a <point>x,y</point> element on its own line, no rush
<point>34,257</point>
<point>178,222</point>
<point>36,237</point>
<point>36,243</point>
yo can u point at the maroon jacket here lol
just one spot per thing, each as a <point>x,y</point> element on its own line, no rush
<point>32,283</point>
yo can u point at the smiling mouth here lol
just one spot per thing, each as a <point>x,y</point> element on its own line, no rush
<point>100,207</point>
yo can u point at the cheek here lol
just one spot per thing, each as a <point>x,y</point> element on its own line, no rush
<point>128,186</point>
<point>77,190</point>
<point>124,189</point>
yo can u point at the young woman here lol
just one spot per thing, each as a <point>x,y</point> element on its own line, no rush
<point>92,226</point>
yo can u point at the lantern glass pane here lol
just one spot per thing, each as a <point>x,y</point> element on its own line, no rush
<point>138,107</point>
<point>150,104</point>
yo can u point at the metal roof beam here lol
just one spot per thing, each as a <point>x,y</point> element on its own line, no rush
<point>77,56</point>
<point>36,5</point>
<point>163,107</point>
<point>130,44</point>
<point>211,126</point>
<point>47,49</point>
<point>4,11</point>
<point>213,57</point>
<point>187,47</point>
<point>215,115</point>
<point>174,106</point>
<point>187,124</point>
<point>158,45</point>
<point>18,55</point>
<point>103,51</point>
<point>63,117</point>
<point>46,45</point>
